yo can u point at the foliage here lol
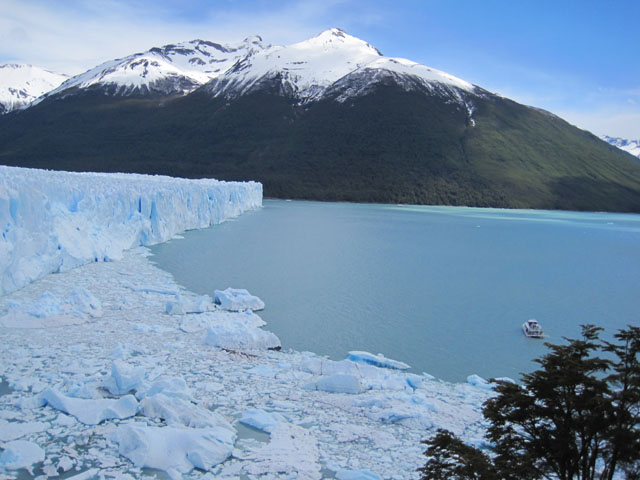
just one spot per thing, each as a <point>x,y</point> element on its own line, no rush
<point>577,417</point>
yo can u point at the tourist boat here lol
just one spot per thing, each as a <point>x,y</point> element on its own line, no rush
<point>532,329</point>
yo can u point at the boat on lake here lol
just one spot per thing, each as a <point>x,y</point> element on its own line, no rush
<point>532,329</point>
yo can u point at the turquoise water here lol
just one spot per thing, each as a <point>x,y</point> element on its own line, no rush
<point>445,289</point>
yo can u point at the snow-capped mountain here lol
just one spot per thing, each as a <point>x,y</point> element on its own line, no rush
<point>331,63</point>
<point>329,118</point>
<point>631,146</point>
<point>172,69</point>
<point>21,84</point>
<point>310,69</point>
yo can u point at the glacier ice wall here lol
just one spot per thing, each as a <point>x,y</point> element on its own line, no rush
<point>55,221</point>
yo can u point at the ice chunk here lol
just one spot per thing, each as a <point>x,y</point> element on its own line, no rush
<point>14,430</point>
<point>338,383</point>
<point>241,337</point>
<point>356,475</point>
<point>376,360</point>
<point>182,305</point>
<point>174,450</point>
<point>478,381</point>
<point>261,419</point>
<point>171,387</point>
<point>90,412</point>
<point>178,411</point>
<point>174,308</point>
<point>124,378</point>
<point>20,454</point>
<point>236,299</point>
<point>83,302</point>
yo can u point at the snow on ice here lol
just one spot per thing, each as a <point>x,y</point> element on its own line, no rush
<point>105,398</point>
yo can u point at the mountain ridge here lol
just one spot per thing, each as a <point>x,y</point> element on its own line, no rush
<point>335,120</point>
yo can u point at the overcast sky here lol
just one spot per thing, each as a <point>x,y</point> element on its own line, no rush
<point>576,58</point>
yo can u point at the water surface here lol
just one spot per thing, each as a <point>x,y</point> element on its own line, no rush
<point>444,289</point>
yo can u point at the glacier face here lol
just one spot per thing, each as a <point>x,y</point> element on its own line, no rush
<point>55,221</point>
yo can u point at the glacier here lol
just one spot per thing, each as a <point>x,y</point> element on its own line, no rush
<point>152,364</point>
<point>54,221</point>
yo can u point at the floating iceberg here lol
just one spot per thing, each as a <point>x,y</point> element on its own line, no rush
<point>376,360</point>
<point>89,412</point>
<point>174,450</point>
<point>177,411</point>
<point>262,420</point>
<point>237,299</point>
<point>14,430</point>
<point>241,337</point>
<point>124,378</point>
<point>20,454</point>
<point>55,221</point>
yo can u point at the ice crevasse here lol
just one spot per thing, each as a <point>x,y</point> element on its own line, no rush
<point>55,221</point>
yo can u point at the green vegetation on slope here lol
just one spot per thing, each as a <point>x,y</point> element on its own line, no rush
<point>388,146</point>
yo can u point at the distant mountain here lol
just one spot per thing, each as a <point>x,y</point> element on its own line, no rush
<point>631,146</point>
<point>169,70</point>
<point>329,118</point>
<point>21,84</point>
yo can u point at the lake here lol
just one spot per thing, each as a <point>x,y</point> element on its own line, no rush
<point>444,289</point>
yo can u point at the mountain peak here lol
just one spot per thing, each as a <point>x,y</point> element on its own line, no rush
<point>20,84</point>
<point>337,38</point>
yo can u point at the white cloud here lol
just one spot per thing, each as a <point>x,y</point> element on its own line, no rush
<point>606,122</point>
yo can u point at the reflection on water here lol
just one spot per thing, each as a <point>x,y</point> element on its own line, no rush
<point>444,289</point>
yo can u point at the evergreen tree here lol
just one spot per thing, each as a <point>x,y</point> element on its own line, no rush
<point>577,417</point>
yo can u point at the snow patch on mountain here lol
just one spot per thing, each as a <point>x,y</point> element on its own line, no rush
<point>21,84</point>
<point>172,69</point>
<point>324,64</point>
<point>630,146</point>
<point>330,62</point>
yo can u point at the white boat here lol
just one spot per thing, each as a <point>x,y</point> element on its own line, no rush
<point>532,329</point>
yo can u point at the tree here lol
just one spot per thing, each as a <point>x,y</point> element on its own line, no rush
<point>577,417</point>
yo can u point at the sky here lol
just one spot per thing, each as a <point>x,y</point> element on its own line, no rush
<point>579,59</point>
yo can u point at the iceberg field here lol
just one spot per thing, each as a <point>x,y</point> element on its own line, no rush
<point>151,376</point>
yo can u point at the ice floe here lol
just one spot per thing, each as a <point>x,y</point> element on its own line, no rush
<point>20,454</point>
<point>376,360</point>
<point>241,337</point>
<point>261,419</point>
<point>174,450</point>
<point>88,411</point>
<point>237,299</point>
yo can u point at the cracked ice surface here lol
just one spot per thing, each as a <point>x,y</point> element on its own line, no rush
<point>198,392</point>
